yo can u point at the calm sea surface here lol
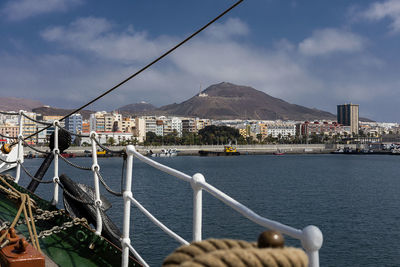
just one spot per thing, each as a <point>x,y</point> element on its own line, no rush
<point>353,199</point>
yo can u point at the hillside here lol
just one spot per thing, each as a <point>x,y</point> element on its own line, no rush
<point>51,111</point>
<point>16,104</point>
<point>230,101</point>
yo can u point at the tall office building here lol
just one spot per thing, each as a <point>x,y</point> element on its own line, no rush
<point>73,124</point>
<point>347,115</point>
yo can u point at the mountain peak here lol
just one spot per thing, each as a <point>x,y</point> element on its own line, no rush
<point>230,101</point>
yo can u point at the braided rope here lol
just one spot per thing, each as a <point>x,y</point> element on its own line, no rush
<point>34,178</point>
<point>9,137</point>
<point>230,253</point>
<point>9,113</point>
<point>73,164</point>
<point>120,152</point>
<point>34,148</point>
<point>8,162</point>
<point>37,121</point>
<point>105,185</point>
<point>72,196</point>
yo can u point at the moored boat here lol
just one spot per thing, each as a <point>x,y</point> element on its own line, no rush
<point>228,151</point>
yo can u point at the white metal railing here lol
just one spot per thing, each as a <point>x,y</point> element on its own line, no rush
<point>311,237</point>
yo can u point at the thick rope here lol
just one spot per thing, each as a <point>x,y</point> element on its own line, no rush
<point>25,207</point>
<point>119,194</point>
<point>34,178</point>
<point>9,137</point>
<point>8,162</point>
<point>119,152</point>
<point>234,253</point>
<point>73,164</point>
<point>73,197</point>
<point>34,148</point>
<point>9,113</point>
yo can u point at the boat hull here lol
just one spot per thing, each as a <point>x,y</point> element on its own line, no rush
<point>205,153</point>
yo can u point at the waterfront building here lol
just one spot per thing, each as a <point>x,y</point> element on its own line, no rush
<point>29,127</point>
<point>9,119</point>
<point>85,126</point>
<point>126,125</point>
<point>159,128</point>
<point>150,124</point>
<point>263,130</point>
<point>202,123</point>
<point>347,115</point>
<point>43,136</point>
<point>73,124</point>
<point>139,130</point>
<point>189,125</point>
<point>97,121</point>
<point>322,128</point>
<point>106,137</point>
<point>281,129</point>
<point>11,130</point>
<point>177,126</point>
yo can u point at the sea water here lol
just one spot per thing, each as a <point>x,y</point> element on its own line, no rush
<point>353,199</point>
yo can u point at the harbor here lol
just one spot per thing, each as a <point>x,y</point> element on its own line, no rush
<point>83,151</point>
<point>334,192</point>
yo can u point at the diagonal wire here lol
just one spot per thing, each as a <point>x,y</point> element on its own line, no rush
<point>145,67</point>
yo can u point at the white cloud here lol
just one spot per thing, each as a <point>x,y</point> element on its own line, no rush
<point>330,40</point>
<point>15,10</point>
<point>96,35</point>
<point>232,27</point>
<point>381,10</point>
<point>281,70</point>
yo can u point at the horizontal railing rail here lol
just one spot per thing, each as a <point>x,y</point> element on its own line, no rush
<point>311,237</point>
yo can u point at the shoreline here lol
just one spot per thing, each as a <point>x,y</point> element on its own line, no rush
<point>83,151</point>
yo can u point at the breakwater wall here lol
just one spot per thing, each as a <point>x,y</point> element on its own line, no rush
<point>243,149</point>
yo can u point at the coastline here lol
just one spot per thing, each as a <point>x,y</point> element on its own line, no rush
<point>79,151</point>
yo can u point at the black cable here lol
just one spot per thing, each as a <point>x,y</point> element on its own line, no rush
<point>146,67</point>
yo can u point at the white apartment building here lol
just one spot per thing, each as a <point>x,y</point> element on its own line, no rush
<point>281,129</point>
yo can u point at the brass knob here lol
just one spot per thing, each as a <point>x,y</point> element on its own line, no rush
<point>6,148</point>
<point>271,239</point>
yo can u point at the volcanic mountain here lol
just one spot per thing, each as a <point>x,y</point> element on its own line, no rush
<point>230,101</point>
<point>137,107</point>
<point>16,104</point>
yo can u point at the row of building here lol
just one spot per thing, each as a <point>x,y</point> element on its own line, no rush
<point>121,128</point>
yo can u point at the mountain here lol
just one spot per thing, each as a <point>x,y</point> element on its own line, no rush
<point>137,107</point>
<point>16,104</point>
<point>230,101</point>
<point>51,111</point>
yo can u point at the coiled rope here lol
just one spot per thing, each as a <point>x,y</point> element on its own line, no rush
<point>234,253</point>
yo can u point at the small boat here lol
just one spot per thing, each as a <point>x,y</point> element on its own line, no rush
<point>172,152</point>
<point>278,153</point>
<point>6,158</point>
<point>228,151</point>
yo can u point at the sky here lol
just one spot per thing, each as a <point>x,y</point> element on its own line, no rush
<point>316,53</point>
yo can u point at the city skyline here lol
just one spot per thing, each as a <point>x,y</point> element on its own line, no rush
<point>315,54</point>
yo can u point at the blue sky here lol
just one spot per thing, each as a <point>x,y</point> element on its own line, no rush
<point>316,53</point>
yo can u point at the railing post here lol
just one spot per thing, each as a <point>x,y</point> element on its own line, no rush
<point>312,241</point>
<point>125,241</point>
<point>56,151</point>
<point>20,154</point>
<point>197,206</point>
<point>95,169</point>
